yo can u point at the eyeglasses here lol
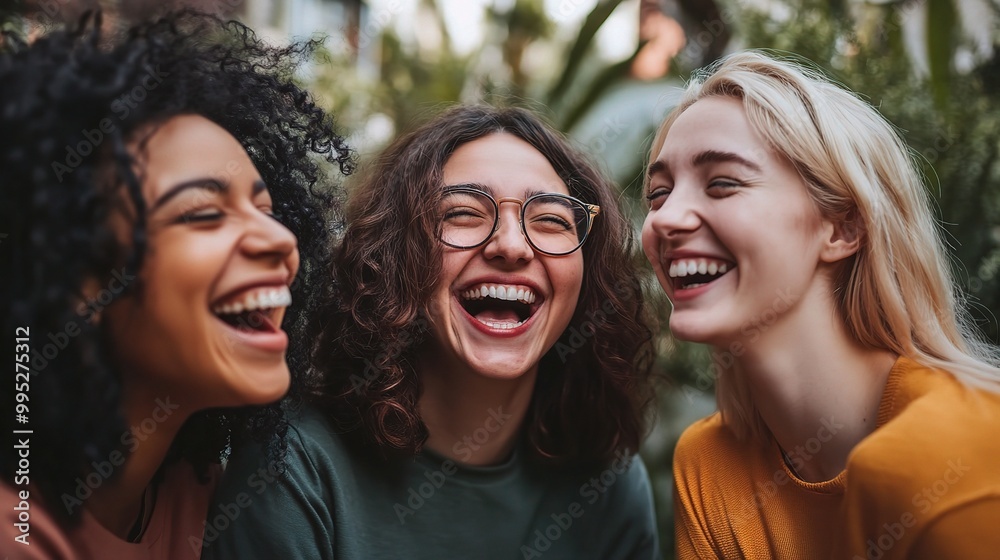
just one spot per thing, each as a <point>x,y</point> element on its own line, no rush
<point>554,224</point>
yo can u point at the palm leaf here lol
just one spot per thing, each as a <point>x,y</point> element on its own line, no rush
<point>595,19</point>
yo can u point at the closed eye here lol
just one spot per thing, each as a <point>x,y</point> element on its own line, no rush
<point>553,220</point>
<point>723,187</point>
<point>657,197</point>
<point>200,216</point>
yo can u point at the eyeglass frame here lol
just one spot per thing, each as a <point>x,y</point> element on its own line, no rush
<point>592,212</point>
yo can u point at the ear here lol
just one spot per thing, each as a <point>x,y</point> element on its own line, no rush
<point>842,238</point>
<point>88,307</point>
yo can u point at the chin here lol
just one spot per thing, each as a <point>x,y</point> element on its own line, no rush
<point>261,387</point>
<point>688,330</point>
<point>500,367</point>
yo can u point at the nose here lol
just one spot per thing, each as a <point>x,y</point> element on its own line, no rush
<point>509,243</point>
<point>679,214</point>
<point>266,237</point>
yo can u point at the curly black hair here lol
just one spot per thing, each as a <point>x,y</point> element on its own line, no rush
<point>69,104</point>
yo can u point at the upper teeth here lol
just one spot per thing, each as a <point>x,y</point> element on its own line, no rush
<point>497,291</point>
<point>685,267</point>
<point>263,298</point>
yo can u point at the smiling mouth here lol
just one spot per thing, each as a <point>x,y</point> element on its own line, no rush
<point>254,311</point>
<point>499,306</point>
<point>687,274</point>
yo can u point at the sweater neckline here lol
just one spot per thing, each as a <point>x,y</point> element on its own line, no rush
<point>473,473</point>
<point>886,411</point>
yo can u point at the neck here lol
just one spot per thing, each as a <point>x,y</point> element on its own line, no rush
<point>816,388</point>
<point>472,419</point>
<point>154,420</point>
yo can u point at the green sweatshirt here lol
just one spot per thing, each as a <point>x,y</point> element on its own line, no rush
<point>333,502</point>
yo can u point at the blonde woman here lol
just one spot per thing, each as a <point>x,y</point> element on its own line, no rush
<point>859,415</point>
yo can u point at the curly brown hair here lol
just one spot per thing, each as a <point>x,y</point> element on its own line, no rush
<point>594,386</point>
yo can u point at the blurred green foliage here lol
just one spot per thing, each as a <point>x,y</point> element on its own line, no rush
<point>955,132</point>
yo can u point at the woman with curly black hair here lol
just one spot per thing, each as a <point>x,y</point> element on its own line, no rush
<point>157,191</point>
<point>485,366</point>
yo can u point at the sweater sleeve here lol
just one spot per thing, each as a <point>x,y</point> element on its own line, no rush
<point>259,512</point>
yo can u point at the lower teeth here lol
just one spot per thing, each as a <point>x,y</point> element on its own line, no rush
<point>501,326</point>
<point>690,286</point>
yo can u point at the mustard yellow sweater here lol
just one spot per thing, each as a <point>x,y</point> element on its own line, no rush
<point>924,484</point>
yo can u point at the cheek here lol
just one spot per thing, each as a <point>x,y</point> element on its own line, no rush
<point>438,306</point>
<point>453,262</point>
<point>650,242</point>
<point>293,262</point>
<point>567,277</point>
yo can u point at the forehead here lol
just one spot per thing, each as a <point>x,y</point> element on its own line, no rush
<point>188,147</point>
<point>712,124</point>
<point>509,166</point>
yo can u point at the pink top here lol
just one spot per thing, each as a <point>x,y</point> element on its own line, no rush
<point>175,528</point>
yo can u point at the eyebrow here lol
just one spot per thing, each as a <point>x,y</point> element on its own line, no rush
<point>702,158</point>
<point>657,166</point>
<point>204,183</point>
<point>489,190</point>
<point>715,156</point>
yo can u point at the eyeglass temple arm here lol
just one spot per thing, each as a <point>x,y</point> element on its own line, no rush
<point>593,210</point>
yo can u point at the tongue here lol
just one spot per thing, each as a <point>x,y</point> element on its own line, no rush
<point>504,315</point>
<point>250,321</point>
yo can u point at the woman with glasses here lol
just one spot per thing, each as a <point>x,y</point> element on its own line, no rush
<point>859,411</point>
<point>483,368</point>
<point>165,229</point>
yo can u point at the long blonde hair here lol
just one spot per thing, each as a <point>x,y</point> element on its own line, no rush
<point>897,293</point>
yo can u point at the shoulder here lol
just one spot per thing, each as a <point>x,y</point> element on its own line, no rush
<point>618,500</point>
<point>719,482</point>
<point>931,423</point>
<point>311,430</point>
<point>271,506</point>
<point>933,457</point>
<point>708,430</point>
<point>706,444</point>
<point>627,482</point>
<point>311,445</point>
<point>967,531</point>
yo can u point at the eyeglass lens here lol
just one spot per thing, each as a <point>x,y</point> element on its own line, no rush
<point>553,224</point>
